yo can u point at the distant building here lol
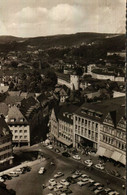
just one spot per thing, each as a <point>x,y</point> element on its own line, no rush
<point>71,81</point>
<point>90,67</point>
<point>5,143</point>
<point>19,126</point>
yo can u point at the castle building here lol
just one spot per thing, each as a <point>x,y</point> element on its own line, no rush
<point>71,81</point>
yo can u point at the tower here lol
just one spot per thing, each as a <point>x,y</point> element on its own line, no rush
<point>74,81</point>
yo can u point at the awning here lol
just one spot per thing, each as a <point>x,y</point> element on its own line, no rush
<point>116,156</point>
<point>108,153</point>
<point>101,151</point>
<point>122,159</point>
<point>67,143</point>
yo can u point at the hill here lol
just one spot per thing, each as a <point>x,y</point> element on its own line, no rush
<point>110,41</point>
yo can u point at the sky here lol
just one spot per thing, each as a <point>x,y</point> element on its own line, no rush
<point>30,18</point>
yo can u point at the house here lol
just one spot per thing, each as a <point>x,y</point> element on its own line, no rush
<point>113,136</point>
<point>61,125</point>
<point>6,151</point>
<point>19,126</point>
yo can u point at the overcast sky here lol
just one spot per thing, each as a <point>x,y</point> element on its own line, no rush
<point>28,18</point>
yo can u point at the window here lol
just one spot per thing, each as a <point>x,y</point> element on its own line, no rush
<point>16,137</point>
<point>20,131</point>
<point>16,131</point>
<point>20,137</point>
<point>82,120</point>
<point>85,122</point>
<point>25,137</point>
<point>89,132</point>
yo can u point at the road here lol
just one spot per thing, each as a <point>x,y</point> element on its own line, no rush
<point>31,182</point>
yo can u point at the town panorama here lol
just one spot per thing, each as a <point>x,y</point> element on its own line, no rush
<point>62,115</point>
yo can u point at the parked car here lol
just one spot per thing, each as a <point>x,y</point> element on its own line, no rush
<point>57,150</point>
<point>50,147</point>
<point>88,163</point>
<point>19,171</point>
<point>84,176</point>
<point>59,186</point>
<point>113,193</point>
<point>76,174</point>
<point>26,169</point>
<point>71,180</point>
<point>58,174</point>
<point>6,177</point>
<point>77,157</point>
<point>13,174</point>
<point>66,190</point>
<point>64,182</point>
<point>107,190</point>
<point>82,183</point>
<point>1,179</point>
<point>52,182</point>
<point>99,166</point>
<point>41,170</point>
<point>66,154</point>
<point>50,187</point>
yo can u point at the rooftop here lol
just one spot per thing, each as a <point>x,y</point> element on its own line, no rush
<point>100,109</point>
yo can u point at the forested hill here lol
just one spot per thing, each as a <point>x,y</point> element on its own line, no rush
<point>109,41</point>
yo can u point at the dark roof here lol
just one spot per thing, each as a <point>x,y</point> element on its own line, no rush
<point>4,129</point>
<point>3,109</point>
<point>101,108</point>
<point>28,107</point>
<point>65,77</point>
<point>15,114</point>
<point>65,113</point>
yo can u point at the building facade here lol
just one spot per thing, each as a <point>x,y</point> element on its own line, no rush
<point>71,81</point>
<point>6,151</point>
<point>19,127</point>
<point>113,136</point>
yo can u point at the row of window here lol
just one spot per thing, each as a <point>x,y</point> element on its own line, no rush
<point>5,148</point>
<point>65,137</point>
<point>5,140</point>
<point>4,156</point>
<point>116,143</point>
<point>85,122</point>
<point>115,132</point>
<point>15,125</point>
<point>20,137</point>
<point>87,133</point>
<point>19,131</point>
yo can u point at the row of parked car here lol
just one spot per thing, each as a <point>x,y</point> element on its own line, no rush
<point>14,173</point>
<point>61,187</point>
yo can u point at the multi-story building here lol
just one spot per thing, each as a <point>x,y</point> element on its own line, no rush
<point>88,121</point>
<point>5,143</point>
<point>62,124</point>
<point>113,136</point>
<point>19,126</point>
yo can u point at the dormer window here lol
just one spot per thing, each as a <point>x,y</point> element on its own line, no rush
<point>12,119</point>
<point>22,119</point>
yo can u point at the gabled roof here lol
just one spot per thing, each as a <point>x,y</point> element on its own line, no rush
<point>28,106</point>
<point>15,116</point>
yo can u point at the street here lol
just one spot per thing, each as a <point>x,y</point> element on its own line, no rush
<point>31,182</point>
